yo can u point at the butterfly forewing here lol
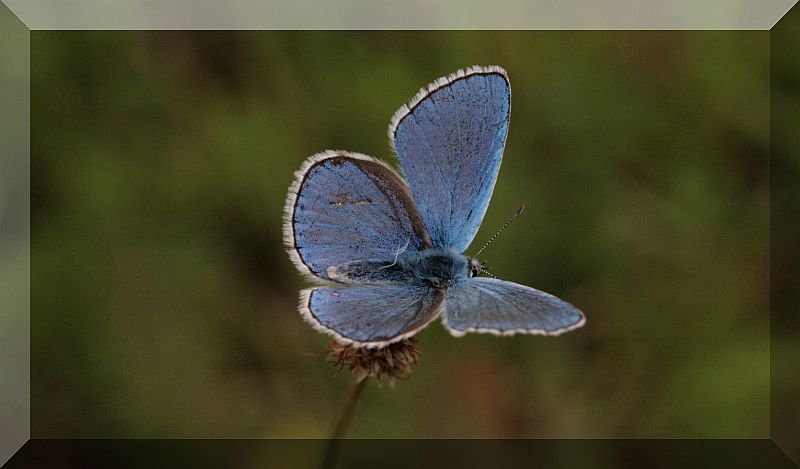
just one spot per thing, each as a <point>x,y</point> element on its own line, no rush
<point>450,140</point>
<point>346,207</point>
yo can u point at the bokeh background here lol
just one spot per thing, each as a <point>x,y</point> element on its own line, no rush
<point>165,306</point>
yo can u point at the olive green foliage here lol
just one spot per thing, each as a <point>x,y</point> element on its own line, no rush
<point>165,306</point>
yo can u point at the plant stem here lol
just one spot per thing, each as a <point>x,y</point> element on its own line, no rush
<point>334,443</point>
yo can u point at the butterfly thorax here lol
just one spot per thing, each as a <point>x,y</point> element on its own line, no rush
<point>436,267</point>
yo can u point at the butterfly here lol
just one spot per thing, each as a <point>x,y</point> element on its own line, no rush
<point>386,251</point>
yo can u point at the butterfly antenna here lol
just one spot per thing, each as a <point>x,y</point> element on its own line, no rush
<point>485,270</point>
<point>509,222</point>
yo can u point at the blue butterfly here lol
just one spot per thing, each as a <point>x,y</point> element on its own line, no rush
<point>388,253</point>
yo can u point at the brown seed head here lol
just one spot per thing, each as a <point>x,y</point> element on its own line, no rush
<point>394,361</point>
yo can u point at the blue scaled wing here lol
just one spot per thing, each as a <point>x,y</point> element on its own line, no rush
<point>450,141</point>
<point>483,304</point>
<point>370,315</point>
<point>345,208</point>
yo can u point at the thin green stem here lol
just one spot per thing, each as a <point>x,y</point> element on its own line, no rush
<point>334,443</point>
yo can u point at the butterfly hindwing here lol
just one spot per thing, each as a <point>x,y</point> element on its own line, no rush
<point>345,207</point>
<point>371,315</point>
<point>450,141</point>
<point>484,304</point>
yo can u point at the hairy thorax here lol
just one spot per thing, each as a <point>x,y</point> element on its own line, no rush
<point>435,266</point>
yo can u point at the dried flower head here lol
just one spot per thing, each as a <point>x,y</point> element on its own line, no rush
<point>394,361</point>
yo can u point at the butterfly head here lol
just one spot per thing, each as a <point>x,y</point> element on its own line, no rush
<point>476,267</point>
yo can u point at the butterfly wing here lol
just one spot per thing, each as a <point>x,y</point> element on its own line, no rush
<point>344,208</point>
<point>450,141</point>
<point>370,315</point>
<point>482,304</point>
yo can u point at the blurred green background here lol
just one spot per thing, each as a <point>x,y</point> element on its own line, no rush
<point>165,305</point>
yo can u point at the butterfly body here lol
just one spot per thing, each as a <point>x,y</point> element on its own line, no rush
<point>431,267</point>
<point>389,249</point>
<point>435,267</point>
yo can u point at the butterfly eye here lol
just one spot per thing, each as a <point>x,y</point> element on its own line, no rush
<point>475,267</point>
